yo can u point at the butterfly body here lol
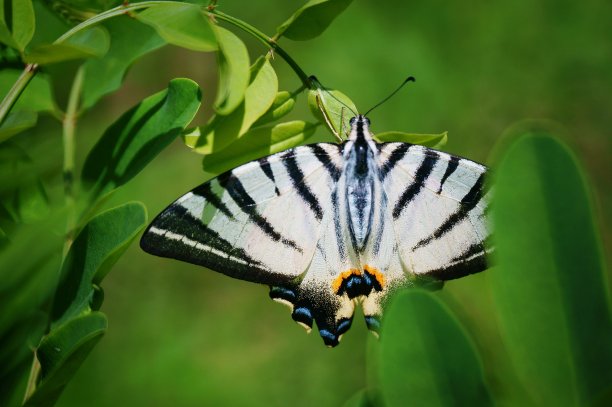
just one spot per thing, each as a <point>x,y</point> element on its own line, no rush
<point>328,226</point>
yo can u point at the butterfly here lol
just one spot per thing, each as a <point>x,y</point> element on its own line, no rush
<point>330,226</point>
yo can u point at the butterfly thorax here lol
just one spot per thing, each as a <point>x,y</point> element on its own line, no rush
<point>360,171</point>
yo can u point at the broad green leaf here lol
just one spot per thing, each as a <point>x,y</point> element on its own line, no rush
<point>259,96</point>
<point>130,143</point>
<point>76,11</point>
<point>36,97</point>
<point>233,61</point>
<point>16,29</point>
<point>427,357</point>
<point>16,122</point>
<point>259,142</point>
<point>364,398</point>
<point>184,25</point>
<point>550,268</point>
<point>94,251</point>
<point>310,20</point>
<point>283,104</point>
<point>93,42</point>
<point>427,140</point>
<point>61,354</point>
<point>332,108</point>
<point>120,56</point>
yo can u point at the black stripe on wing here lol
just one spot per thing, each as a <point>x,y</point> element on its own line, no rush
<point>453,163</point>
<point>395,156</point>
<point>205,191</point>
<point>325,159</point>
<point>297,178</point>
<point>175,233</point>
<point>415,187</point>
<point>467,203</point>
<point>472,260</point>
<point>264,164</point>
<point>245,202</point>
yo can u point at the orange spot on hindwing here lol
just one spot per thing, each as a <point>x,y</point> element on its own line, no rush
<point>356,283</point>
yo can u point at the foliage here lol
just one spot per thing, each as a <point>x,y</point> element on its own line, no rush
<point>58,240</point>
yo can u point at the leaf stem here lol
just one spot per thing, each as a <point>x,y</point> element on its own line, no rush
<point>18,87</point>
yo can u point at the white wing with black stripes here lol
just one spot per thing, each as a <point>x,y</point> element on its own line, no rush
<point>329,226</point>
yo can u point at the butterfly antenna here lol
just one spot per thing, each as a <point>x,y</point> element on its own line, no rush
<point>408,79</point>
<point>314,79</point>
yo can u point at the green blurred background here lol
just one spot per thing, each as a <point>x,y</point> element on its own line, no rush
<point>181,335</point>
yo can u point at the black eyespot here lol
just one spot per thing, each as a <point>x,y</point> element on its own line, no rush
<point>352,120</point>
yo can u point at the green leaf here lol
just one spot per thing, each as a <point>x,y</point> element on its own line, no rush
<point>16,29</point>
<point>223,130</point>
<point>36,97</point>
<point>17,122</point>
<point>332,108</point>
<point>120,56</point>
<point>184,25</point>
<point>281,106</point>
<point>257,143</point>
<point>310,20</point>
<point>130,143</point>
<point>94,251</point>
<point>364,398</point>
<point>426,356</point>
<point>61,354</point>
<point>550,268</point>
<point>233,61</point>
<point>427,140</point>
<point>93,42</point>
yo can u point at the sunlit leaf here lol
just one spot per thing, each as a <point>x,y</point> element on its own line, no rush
<point>94,251</point>
<point>332,108</point>
<point>93,42</point>
<point>259,142</point>
<point>130,143</point>
<point>310,20</point>
<point>283,104</point>
<point>427,356</point>
<point>233,62</point>
<point>550,267</point>
<point>16,29</point>
<point>259,96</point>
<point>427,140</point>
<point>61,354</point>
<point>120,56</point>
<point>184,25</point>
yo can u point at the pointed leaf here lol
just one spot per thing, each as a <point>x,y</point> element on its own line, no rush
<point>311,19</point>
<point>332,108</point>
<point>427,140</point>
<point>16,29</point>
<point>61,354</point>
<point>184,25</point>
<point>96,248</point>
<point>282,105</point>
<point>93,42</point>
<point>257,143</point>
<point>426,356</point>
<point>550,268</point>
<point>120,56</point>
<point>259,96</point>
<point>233,61</point>
<point>130,143</point>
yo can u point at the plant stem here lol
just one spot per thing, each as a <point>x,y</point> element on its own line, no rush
<point>32,379</point>
<point>18,87</point>
<point>267,41</point>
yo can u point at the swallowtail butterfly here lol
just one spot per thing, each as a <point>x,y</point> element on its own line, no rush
<point>329,226</point>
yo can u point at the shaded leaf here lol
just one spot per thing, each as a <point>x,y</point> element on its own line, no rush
<point>259,142</point>
<point>93,42</point>
<point>259,96</point>
<point>233,62</point>
<point>184,25</point>
<point>427,357</point>
<point>94,251</point>
<point>130,143</point>
<point>283,104</point>
<point>16,122</point>
<point>332,108</point>
<point>550,265</point>
<point>120,56</point>
<point>61,354</point>
<point>16,29</point>
<point>36,97</point>
<point>310,20</point>
<point>427,140</point>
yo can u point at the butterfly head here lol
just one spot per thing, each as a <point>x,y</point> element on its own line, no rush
<point>360,128</point>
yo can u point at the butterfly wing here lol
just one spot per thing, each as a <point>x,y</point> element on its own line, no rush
<point>258,222</point>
